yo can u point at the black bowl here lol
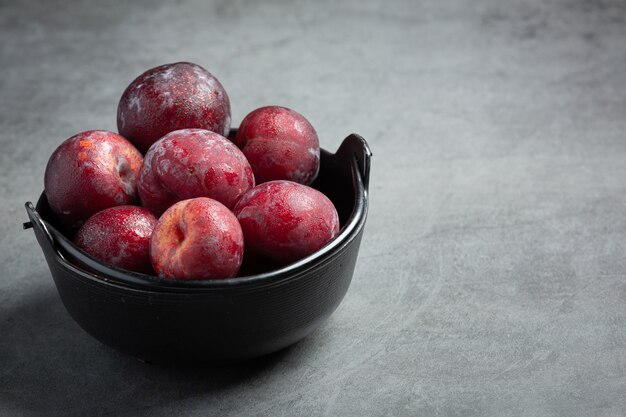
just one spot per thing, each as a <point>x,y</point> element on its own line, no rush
<point>160,320</point>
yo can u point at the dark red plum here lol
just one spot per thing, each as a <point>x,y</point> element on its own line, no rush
<point>172,97</point>
<point>280,144</point>
<point>89,172</point>
<point>191,163</point>
<point>285,221</point>
<point>119,236</point>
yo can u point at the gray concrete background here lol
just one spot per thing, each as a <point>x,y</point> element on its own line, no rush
<point>492,276</point>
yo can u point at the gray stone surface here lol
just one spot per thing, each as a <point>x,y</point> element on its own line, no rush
<point>492,276</point>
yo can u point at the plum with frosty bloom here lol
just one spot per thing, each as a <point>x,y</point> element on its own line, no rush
<point>172,97</point>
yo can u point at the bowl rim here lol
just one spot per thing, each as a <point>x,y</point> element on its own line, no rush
<point>354,150</point>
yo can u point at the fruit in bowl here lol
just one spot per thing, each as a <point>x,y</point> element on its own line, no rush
<point>89,172</point>
<point>285,221</point>
<point>280,144</point>
<point>199,238</point>
<point>171,97</point>
<point>190,163</point>
<point>119,236</point>
<point>215,320</point>
<point>295,246</point>
<point>175,145</point>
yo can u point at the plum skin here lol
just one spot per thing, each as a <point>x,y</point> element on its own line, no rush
<point>119,236</point>
<point>285,221</point>
<point>89,172</point>
<point>280,144</point>
<point>191,163</point>
<point>172,97</point>
<point>198,238</point>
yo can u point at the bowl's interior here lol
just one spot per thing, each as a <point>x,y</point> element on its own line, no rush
<point>343,178</point>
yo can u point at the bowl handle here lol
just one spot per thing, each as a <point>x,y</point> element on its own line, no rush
<point>355,146</point>
<point>37,224</point>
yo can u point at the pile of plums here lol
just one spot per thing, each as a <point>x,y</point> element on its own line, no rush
<point>173,195</point>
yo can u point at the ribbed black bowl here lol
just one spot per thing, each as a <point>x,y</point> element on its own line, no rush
<point>161,320</point>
